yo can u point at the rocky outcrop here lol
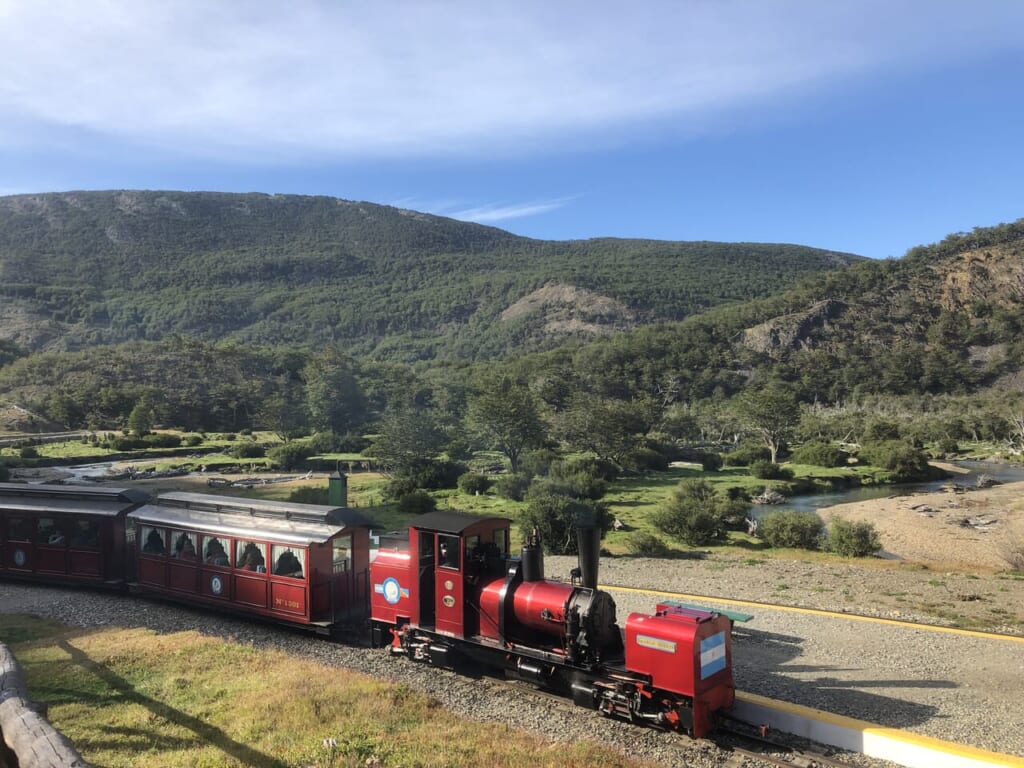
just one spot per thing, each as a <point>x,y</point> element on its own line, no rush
<point>788,332</point>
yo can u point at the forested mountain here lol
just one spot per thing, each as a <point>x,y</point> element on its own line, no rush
<point>81,269</point>
<point>945,319</point>
<point>301,313</point>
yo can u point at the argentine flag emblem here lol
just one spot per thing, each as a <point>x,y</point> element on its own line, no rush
<point>712,655</point>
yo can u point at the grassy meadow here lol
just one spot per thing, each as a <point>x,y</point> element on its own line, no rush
<point>134,697</point>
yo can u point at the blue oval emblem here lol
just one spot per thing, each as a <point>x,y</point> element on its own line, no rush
<point>216,585</point>
<point>392,590</point>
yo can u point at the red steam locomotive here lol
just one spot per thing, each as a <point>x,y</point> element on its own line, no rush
<point>450,595</point>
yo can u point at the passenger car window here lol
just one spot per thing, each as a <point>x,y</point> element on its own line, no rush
<point>288,561</point>
<point>184,545</point>
<point>251,556</point>
<point>20,529</point>
<point>214,552</point>
<point>85,534</point>
<point>342,554</point>
<point>153,540</point>
<point>50,532</point>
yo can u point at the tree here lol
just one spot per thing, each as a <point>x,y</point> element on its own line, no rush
<point>409,440</point>
<point>334,399</point>
<point>140,420</point>
<point>506,417</point>
<point>609,428</point>
<point>284,413</point>
<point>771,413</point>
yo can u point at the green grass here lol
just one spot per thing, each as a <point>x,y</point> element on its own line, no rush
<point>133,697</point>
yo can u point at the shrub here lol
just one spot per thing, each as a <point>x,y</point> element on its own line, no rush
<point>248,451</point>
<point>645,459</point>
<point>791,529</point>
<point>512,487</point>
<point>309,495</point>
<point>645,544</point>
<point>537,462</point>
<point>416,503</point>
<point>853,539</point>
<point>193,440</point>
<point>473,483</point>
<point>711,462</point>
<point>767,470</point>
<point>289,456</point>
<point>323,442</point>
<point>602,468</point>
<point>353,444</point>
<point>696,514</point>
<point>4,473</point>
<point>818,453</point>
<point>948,445</point>
<point>903,460</point>
<point>555,517</point>
<point>160,440</point>
<point>746,453</point>
<point>28,452</point>
<point>576,479</point>
<point>230,437</point>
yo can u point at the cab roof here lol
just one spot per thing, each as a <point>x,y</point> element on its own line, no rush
<point>451,521</point>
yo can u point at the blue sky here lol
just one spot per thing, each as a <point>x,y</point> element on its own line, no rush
<point>867,126</point>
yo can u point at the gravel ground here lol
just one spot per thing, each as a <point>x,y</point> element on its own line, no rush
<point>485,701</point>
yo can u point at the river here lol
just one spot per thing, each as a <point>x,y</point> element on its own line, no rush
<point>1003,473</point>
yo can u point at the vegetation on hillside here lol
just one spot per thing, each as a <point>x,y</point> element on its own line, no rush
<point>79,269</point>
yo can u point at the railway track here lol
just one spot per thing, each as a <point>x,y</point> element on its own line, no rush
<point>739,742</point>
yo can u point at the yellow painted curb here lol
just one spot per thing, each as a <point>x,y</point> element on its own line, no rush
<point>819,612</point>
<point>902,747</point>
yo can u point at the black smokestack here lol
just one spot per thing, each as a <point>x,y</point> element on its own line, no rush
<point>533,558</point>
<point>588,538</point>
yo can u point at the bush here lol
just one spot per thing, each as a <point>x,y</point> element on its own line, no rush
<point>28,452</point>
<point>309,495</point>
<point>645,459</point>
<point>193,440</point>
<point>248,451</point>
<point>791,529</point>
<point>512,487</point>
<point>746,453</point>
<point>820,454</point>
<point>4,473</point>
<point>711,462</point>
<point>576,479</point>
<point>289,456</point>
<point>537,462</point>
<point>645,544</point>
<point>602,468</point>
<point>416,503</point>
<point>948,445</point>
<point>161,440</point>
<point>555,517</point>
<point>903,460</point>
<point>853,539</point>
<point>696,514</point>
<point>766,470</point>
<point>472,483</point>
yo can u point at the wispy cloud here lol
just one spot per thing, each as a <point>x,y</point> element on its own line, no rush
<point>263,80</point>
<point>503,212</point>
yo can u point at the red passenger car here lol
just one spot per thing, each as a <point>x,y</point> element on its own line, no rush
<point>295,563</point>
<point>65,533</point>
